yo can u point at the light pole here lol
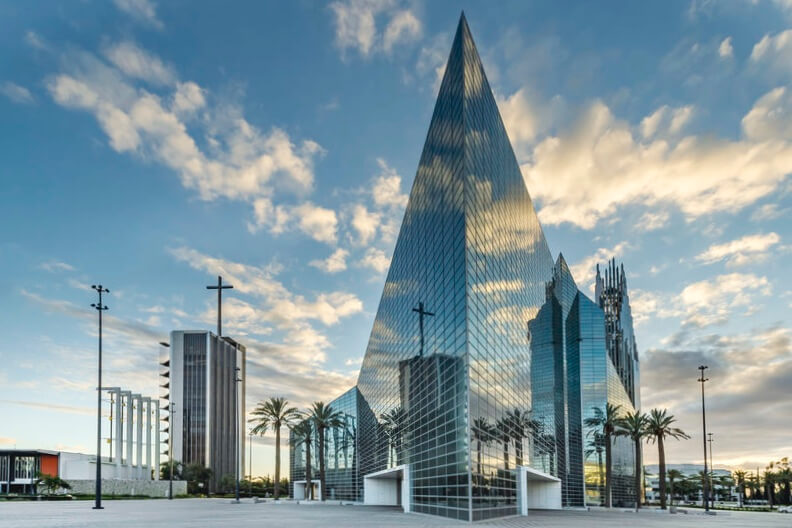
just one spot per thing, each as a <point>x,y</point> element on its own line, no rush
<point>100,307</point>
<point>712,471</point>
<point>704,496</point>
<point>250,463</point>
<point>237,379</point>
<point>171,410</point>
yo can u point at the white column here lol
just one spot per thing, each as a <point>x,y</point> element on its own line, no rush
<point>119,431</point>
<point>148,437</point>
<point>129,438</point>
<point>139,431</point>
<point>157,445</point>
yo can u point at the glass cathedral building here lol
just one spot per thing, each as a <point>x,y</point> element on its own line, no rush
<point>484,360</point>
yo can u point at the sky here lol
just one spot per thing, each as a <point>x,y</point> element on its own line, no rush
<point>151,146</point>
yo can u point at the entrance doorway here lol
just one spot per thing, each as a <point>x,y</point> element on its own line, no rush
<point>300,492</point>
<point>389,487</point>
<point>537,490</point>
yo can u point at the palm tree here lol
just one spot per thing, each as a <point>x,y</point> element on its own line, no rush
<point>597,445</point>
<point>739,479</point>
<point>304,434</point>
<point>324,418</point>
<point>484,433</point>
<point>769,478</point>
<point>633,426</point>
<point>784,476</point>
<point>393,423</point>
<point>522,426</point>
<point>673,474</point>
<point>727,483</point>
<point>271,415</point>
<point>606,422</point>
<point>658,428</point>
<point>504,434</point>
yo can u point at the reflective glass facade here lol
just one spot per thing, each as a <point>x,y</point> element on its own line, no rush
<point>484,356</point>
<point>471,250</point>
<point>342,477</point>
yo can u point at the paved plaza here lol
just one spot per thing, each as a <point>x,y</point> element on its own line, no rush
<point>220,512</point>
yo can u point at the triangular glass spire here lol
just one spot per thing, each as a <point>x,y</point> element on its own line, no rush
<point>450,350</point>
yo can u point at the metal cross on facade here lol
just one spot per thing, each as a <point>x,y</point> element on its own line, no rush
<point>421,313</point>
<point>220,287</point>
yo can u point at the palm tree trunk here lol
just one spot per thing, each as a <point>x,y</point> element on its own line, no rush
<point>308,484</point>
<point>478,458</point>
<point>671,491</point>
<point>637,474</point>
<point>601,475</point>
<point>608,470</point>
<point>321,464</point>
<point>661,457</point>
<point>518,452</point>
<point>277,463</point>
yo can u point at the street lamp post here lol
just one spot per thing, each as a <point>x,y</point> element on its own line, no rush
<point>712,471</point>
<point>704,490</point>
<point>100,307</point>
<point>171,408</point>
<point>237,379</point>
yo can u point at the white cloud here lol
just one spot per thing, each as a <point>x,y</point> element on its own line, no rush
<point>403,27</point>
<point>725,50</point>
<point>598,165</point>
<point>188,98</point>
<point>387,187</point>
<point>771,117</point>
<point>679,118</point>
<point>666,121</point>
<point>652,220</point>
<point>703,303</point>
<point>316,221</point>
<point>56,265</point>
<point>34,40</point>
<point>282,305</point>
<point>708,302</point>
<point>774,52</point>
<point>139,64</point>
<point>584,271</point>
<point>519,117</point>
<point>432,59</point>
<point>349,362</point>
<point>240,162</point>
<point>376,260</point>
<point>142,10</point>
<point>356,26</point>
<point>769,211</point>
<point>525,118</point>
<point>278,308</point>
<point>334,263</point>
<point>385,213</point>
<point>18,94</point>
<point>365,224</point>
<point>745,250</point>
<point>644,305</point>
